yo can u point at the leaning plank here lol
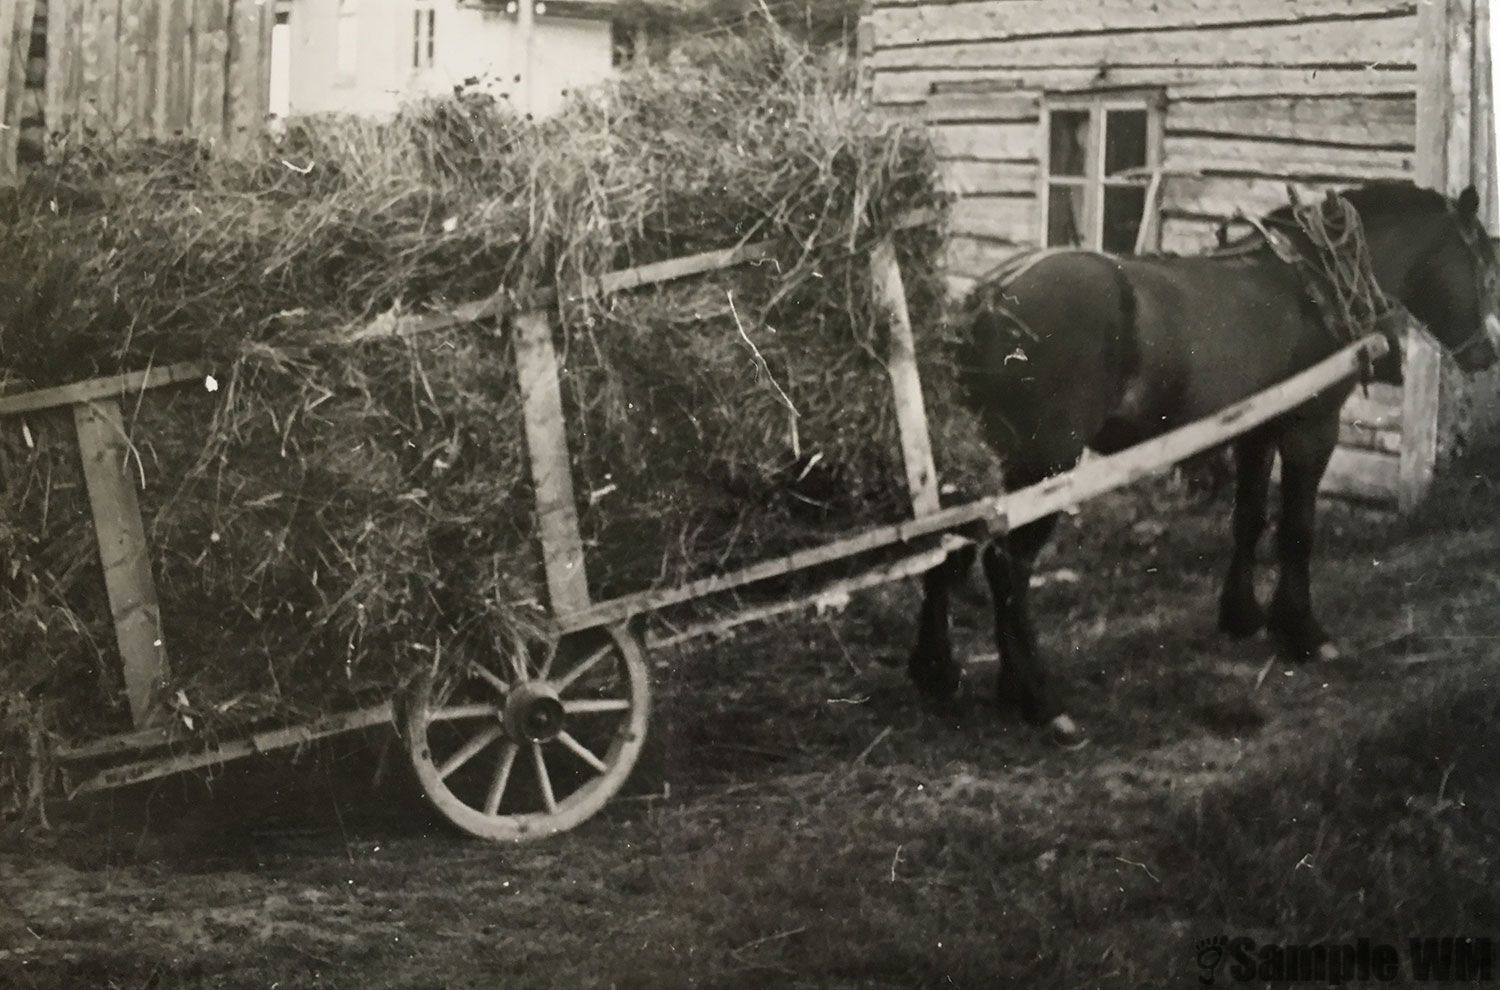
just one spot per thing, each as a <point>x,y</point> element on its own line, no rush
<point>1366,475</point>
<point>101,388</point>
<point>1422,373</point>
<point>551,467</point>
<point>125,556</point>
<point>830,595</point>
<point>263,742</point>
<point>906,386</point>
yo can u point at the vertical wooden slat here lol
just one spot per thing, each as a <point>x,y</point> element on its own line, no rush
<point>61,50</point>
<point>210,52</point>
<point>125,556</point>
<point>248,87</point>
<point>1483,163</point>
<point>906,385</point>
<point>128,69</point>
<point>106,85</point>
<point>15,49</point>
<point>551,467</point>
<point>1442,44</point>
<point>176,75</point>
<point>143,75</point>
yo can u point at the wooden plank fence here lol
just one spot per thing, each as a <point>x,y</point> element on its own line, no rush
<point>108,70</point>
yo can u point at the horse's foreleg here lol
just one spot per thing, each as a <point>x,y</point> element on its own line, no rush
<point>1305,451</point>
<point>932,666</point>
<point>1008,563</point>
<point>1240,614</point>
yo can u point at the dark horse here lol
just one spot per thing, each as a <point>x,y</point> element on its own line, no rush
<point>1084,350</point>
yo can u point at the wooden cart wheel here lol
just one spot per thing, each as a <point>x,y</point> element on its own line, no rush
<point>524,747</point>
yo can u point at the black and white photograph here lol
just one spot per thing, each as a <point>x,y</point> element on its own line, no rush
<point>739,494</point>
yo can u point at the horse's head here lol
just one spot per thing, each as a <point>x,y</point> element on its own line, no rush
<point>1434,255</point>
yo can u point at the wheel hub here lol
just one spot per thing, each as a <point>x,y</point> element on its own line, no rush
<point>533,713</point>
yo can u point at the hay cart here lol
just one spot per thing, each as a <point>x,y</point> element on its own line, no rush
<point>535,742</point>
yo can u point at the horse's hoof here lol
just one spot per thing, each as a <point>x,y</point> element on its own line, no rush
<point>1241,623</point>
<point>1065,733</point>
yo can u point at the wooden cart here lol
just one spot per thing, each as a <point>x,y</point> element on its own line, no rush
<point>572,709</point>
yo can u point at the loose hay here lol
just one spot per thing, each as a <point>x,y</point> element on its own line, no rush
<point>338,514</point>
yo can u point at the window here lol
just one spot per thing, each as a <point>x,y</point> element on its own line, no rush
<point>1100,151</point>
<point>348,40</point>
<point>423,35</point>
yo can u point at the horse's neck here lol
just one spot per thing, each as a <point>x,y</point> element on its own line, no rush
<point>1398,246</point>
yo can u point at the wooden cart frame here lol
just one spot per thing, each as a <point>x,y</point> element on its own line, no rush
<point>591,670</point>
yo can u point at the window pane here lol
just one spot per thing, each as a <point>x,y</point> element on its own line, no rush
<point>1068,140</point>
<point>1122,217</point>
<point>1124,140</point>
<point>1065,216</point>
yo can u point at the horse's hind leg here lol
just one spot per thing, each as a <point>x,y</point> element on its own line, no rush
<point>932,666</point>
<point>1305,451</point>
<point>1240,614</point>
<point>1008,562</point>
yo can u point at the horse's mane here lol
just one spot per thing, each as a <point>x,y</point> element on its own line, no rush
<point>1382,196</point>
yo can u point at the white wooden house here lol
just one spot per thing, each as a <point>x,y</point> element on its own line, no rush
<point>369,56</point>
<point>1144,124</point>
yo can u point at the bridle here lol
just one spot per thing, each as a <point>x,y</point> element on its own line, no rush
<point>1486,281</point>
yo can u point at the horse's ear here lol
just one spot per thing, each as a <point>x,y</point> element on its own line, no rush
<point>1468,203</point>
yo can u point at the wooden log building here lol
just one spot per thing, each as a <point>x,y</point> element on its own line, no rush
<point>1144,124</point>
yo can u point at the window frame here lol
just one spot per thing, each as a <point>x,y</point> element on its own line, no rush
<point>423,36</point>
<point>1097,104</point>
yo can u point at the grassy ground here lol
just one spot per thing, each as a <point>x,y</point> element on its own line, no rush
<point>824,829</point>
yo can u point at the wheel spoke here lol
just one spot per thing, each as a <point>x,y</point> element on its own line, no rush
<point>478,709</point>
<point>468,751</point>
<point>579,750</point>
<point>542,778</point>
<point>551,657</point>
<point>591,661</point>
<point>591,706</point>
<point>502,777</point>
<point>494,681</point>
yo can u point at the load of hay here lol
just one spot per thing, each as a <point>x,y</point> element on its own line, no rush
<point>337,511</point>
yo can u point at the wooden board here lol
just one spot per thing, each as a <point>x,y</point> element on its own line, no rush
<point>969,178</point>
<point>261,742</point>
<point>971,257</point>
<point>1008,219</point>
<point>1386,40</point>
<point>927,24</point>
<point>100,388</point>
<point>1381,122</point>
<point>551,466</point>
<point>1422,371</point>
<point>906,386</point>
<point>987,107</point>
<point>124,555</point>
<point>15,46</point>
<point>210,57</point>
<point>911,88</point>
<point>1365,475</point>
<point>987,140</point>
<point>1305,162</point>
